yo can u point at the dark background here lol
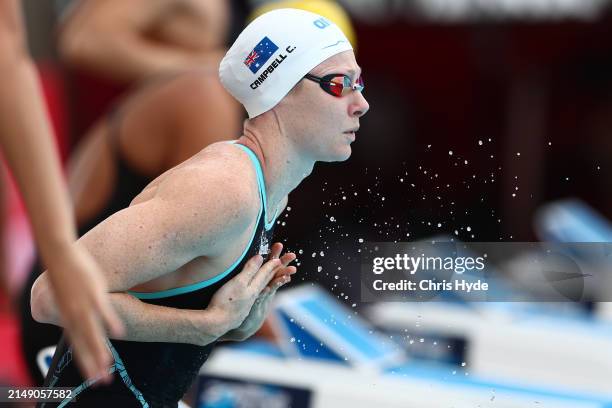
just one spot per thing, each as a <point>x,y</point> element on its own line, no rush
<point>524,107</point>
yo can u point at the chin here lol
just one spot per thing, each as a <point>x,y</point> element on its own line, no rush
<point>339,154</point>
<point>343,154</point>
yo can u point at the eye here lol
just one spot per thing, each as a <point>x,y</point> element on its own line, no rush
<point>337,81</point>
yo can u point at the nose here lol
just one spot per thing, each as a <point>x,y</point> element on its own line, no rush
<point>360,106</point>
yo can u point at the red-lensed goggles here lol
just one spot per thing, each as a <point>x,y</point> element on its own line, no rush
<point>337,84</point>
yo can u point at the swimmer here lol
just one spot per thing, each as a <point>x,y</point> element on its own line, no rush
<point>174,256</point>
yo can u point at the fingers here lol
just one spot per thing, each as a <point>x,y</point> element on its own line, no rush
<point>265,274</point>
<point>88,340</point>
<point>251,268</point>
<point>261,275</point>
<point>288,258</point>
<point>276,250</point>
<point>278,282</point>
<point>281,279</point>
<point>287,270</point>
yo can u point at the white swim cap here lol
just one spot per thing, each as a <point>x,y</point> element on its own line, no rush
<point>274,52</point>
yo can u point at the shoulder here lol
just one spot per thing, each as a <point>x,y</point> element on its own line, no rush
<point>219,182</point>
<point>207,201</point>
<point>228,163</point>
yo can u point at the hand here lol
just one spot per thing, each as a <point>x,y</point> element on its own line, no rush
<point>261,306</point>
<point>235,298</point>
<point>85,310</point>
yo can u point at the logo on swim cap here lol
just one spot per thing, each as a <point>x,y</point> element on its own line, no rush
<point>260,54</point>
<point>321,23</point>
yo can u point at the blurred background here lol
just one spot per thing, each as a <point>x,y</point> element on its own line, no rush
<point>490,121</point>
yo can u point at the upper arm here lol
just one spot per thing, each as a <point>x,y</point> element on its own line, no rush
<point>188,215</point>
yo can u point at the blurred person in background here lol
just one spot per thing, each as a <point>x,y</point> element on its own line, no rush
<point>130,41</point>
<point>110,46</point>
<point>27,142</point>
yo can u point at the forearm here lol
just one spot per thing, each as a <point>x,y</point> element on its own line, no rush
<point>144,322</point>
<point>140,57</point>
<point>27,142</point>
<point>147,323</point>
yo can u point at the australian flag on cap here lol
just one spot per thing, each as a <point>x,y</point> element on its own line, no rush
<point>260,54</point>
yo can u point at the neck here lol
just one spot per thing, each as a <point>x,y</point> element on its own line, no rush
<point>283,166</point>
